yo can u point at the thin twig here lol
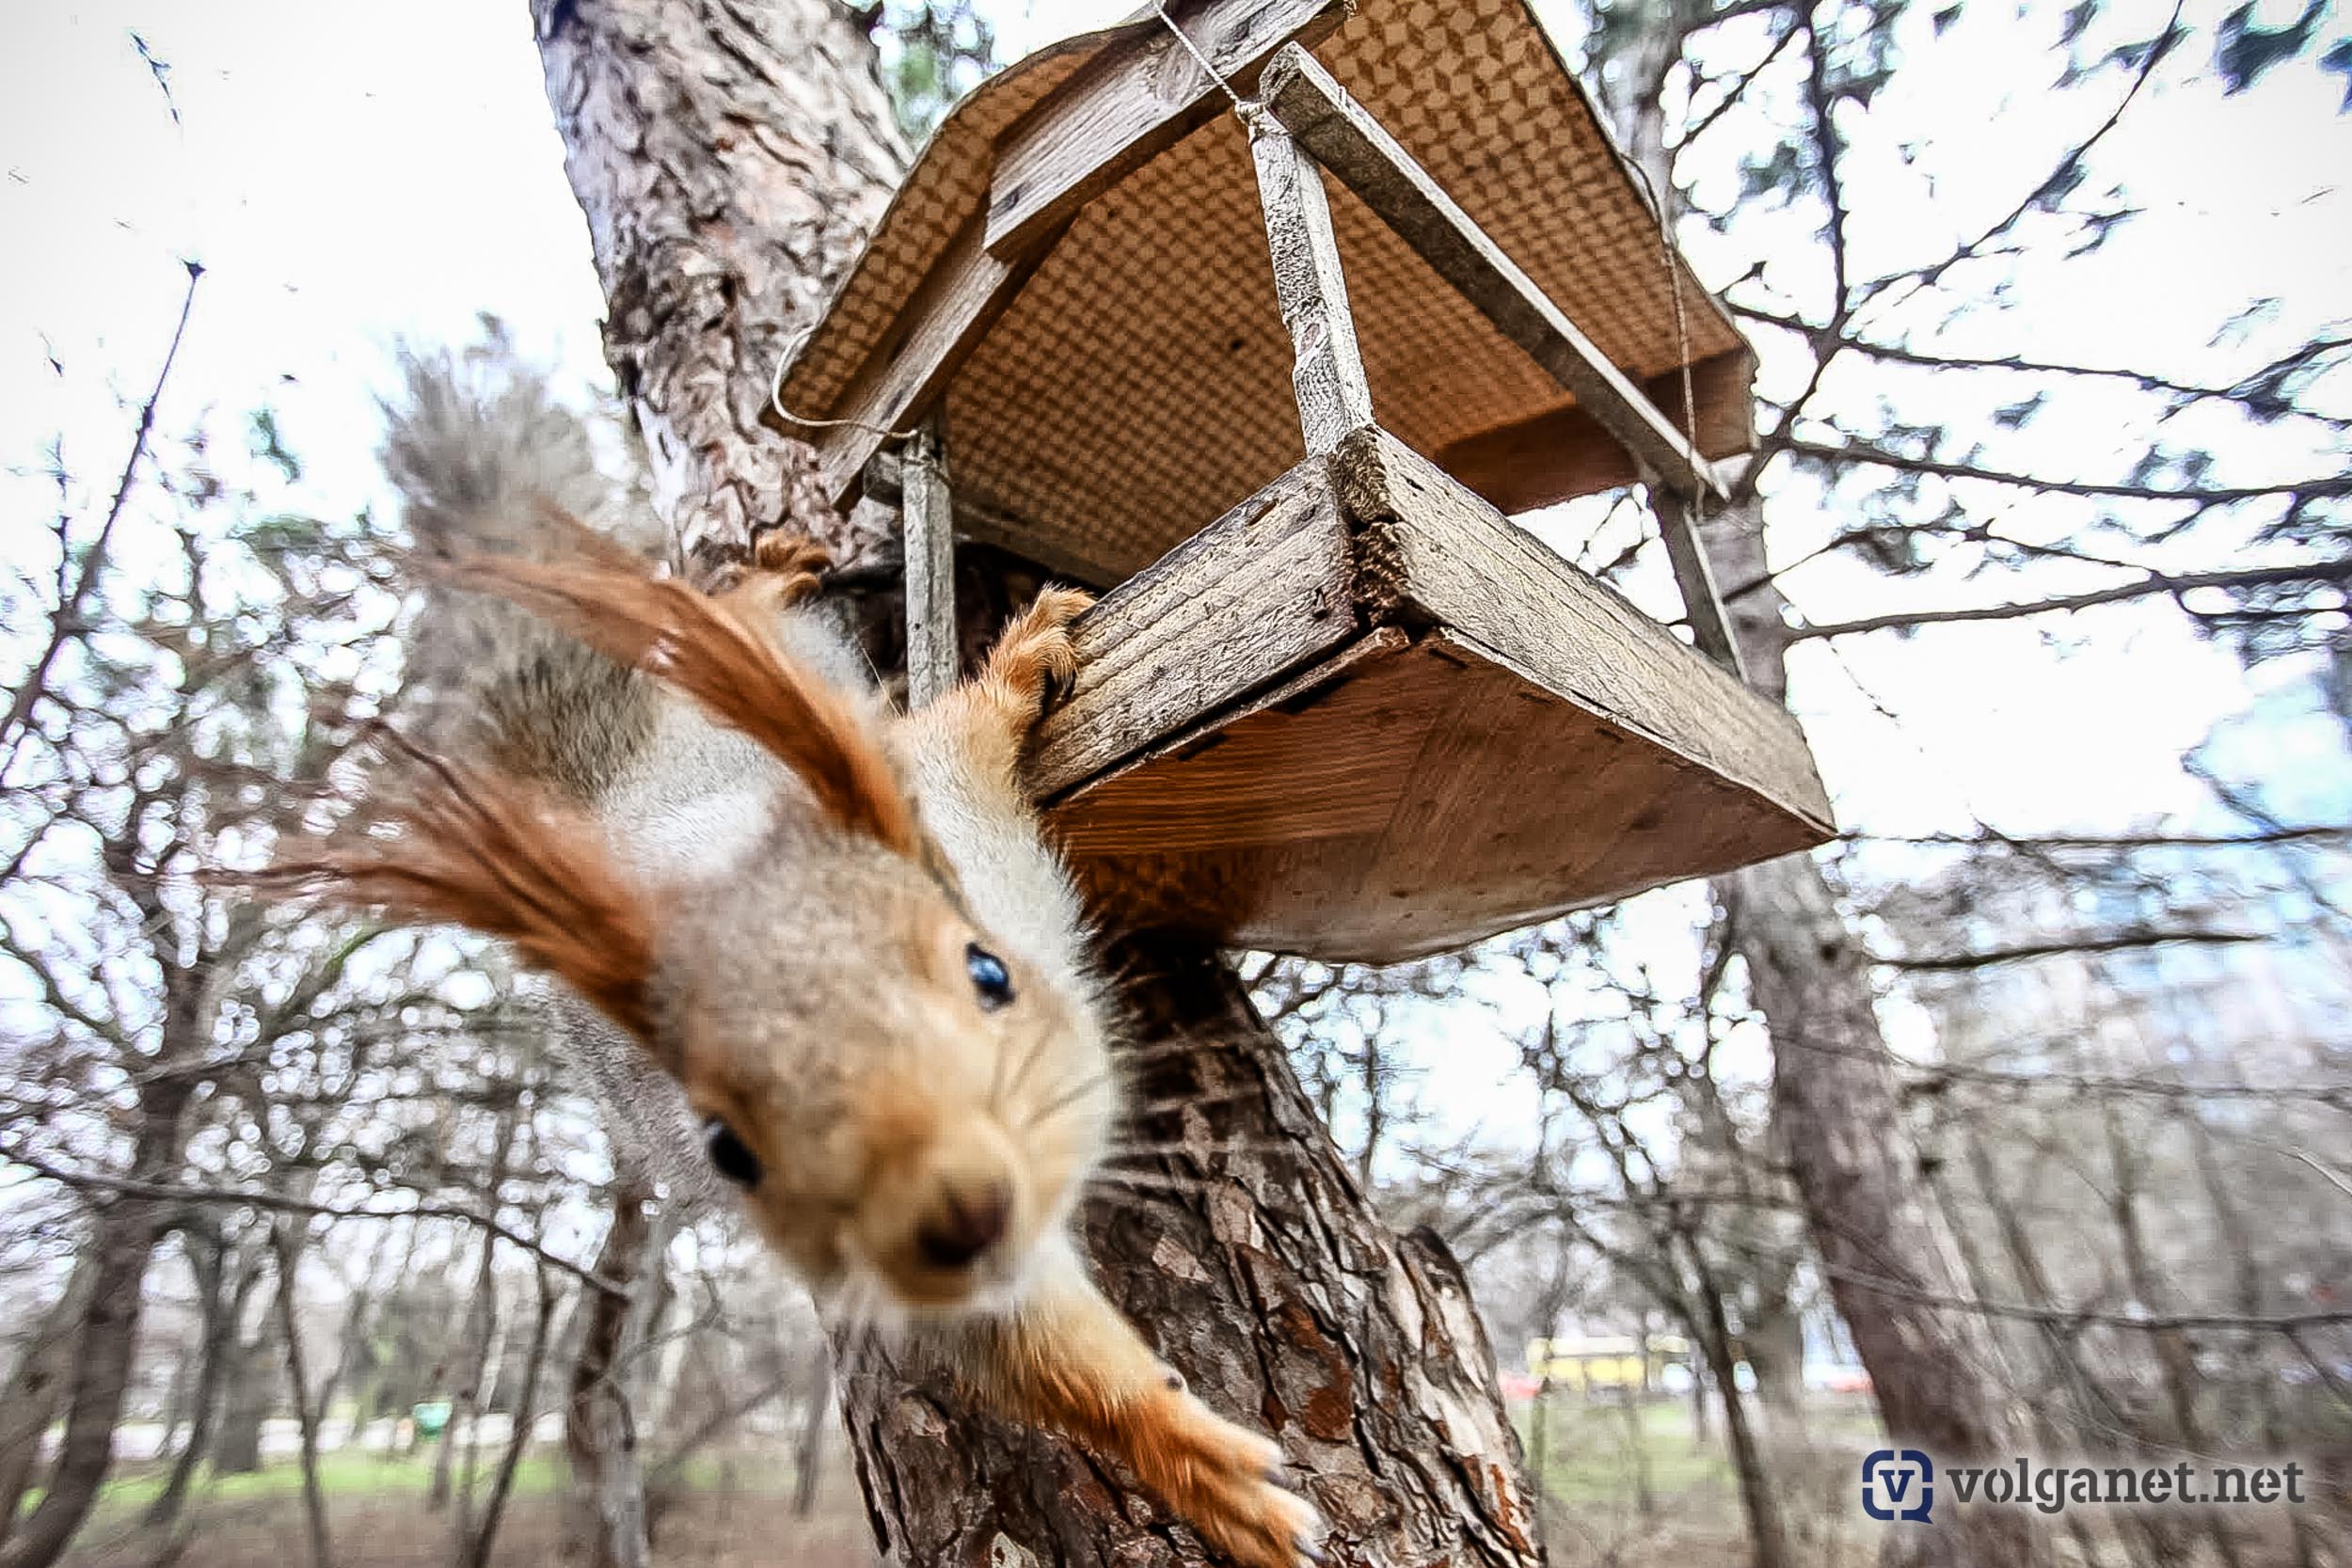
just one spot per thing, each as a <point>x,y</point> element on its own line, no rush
<point>175,1193</point>
<point>68,613</point>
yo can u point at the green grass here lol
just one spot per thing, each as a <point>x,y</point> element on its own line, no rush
<point>342,1473</point>
<point>1590,1460</point>
<point>1590,1457</point>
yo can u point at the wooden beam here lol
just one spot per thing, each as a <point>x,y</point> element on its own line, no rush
<point>1260,590</point>
<point>1564,452</point>
<point>1463,565</point>
<point>928,513</point>
<point>1326,367</point>
<point>1139,97</point>
<point>1344,138</point>
<point>1710,627</point>
<point>940,327</point>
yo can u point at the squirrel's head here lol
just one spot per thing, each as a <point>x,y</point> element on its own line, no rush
<point>906,1104</point>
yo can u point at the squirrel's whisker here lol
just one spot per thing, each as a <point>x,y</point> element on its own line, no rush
<point>1186,1101</point>
<point>1066,1099</point>
<point>1154,1052</point>
<point>1236,1145</point>
<point>1154,1182</point>
<point>1028,1060</point>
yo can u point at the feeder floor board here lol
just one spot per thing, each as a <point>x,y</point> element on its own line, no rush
<point>1364,717</point>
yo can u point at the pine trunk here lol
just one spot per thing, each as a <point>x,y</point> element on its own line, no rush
<point>728,160</point>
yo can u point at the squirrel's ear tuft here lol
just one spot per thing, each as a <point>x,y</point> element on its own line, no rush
<point>490,853</point>
<point>704,648</point>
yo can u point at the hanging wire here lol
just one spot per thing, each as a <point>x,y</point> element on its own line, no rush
<point>1249,109</point>
<point>1699,486</point>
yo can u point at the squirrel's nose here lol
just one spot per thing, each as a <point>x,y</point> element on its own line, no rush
<point>964,1225</point>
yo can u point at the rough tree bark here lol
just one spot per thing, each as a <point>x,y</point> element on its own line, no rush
<point>728,159</point>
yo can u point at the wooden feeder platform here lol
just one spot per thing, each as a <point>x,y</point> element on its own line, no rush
<point>1273,382</point>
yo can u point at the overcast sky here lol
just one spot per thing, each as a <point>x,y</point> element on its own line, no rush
<point>352,175</point>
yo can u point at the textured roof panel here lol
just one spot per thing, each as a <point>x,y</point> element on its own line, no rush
<point>1141,383</point>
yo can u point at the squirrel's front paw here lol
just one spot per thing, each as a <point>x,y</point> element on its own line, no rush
<point>783,571</point>
<point>1224,1481</point>
<point>1034,662</point>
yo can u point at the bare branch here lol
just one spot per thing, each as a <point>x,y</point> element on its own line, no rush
<point>1853,451</point>
<point>2287,1323</point>
<point>2118,942</point>
<point>2153,585</point>
<point>68,613</point>
<point>89,1181</point>
<point>1990,840</point>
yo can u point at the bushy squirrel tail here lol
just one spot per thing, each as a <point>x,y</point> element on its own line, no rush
<point>488,461</point>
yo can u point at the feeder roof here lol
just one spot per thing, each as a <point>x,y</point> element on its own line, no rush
<point>1138,381</point>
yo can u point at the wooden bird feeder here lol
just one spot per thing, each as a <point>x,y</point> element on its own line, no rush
<point>1333,701</point>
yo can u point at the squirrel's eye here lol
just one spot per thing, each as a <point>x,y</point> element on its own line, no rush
<point>730,1156</point>
<point>989,976</point>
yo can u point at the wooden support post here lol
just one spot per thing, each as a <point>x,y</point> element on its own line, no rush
<point>1710,627</point>
<point>928,510</point>
<point>1327,368</point>
<point>1342,136</point>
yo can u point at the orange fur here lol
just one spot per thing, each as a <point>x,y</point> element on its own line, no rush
<point>489,852</point>
<point>1070,1361</point>
<point>706,648</point>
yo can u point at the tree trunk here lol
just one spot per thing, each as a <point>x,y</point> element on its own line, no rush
<point>246,1396</point>
<point>1774,1333</point>
<point>2230,1224</point>
<point>1278,1293</point>
<point>480,1327</point>
<point>35,1389</point>
<point>1837,1115</point>
<point>475,1551</point>
<point>2175,1361</point>
<point>730,160</point>
<point>123,1235</point>
<point>226,1285</point>
<point>605,1528</point>
<point>289,1254</point>
<point>1766,1540</point>
<point>352,1357</point>
<point>2059,1393</point>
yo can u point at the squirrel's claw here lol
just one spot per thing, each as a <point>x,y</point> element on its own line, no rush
<point>1034,664</point>
<point>1226,1482</point>
<point>785,570</point>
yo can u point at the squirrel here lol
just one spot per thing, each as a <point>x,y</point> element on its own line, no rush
<point>837,927</point>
